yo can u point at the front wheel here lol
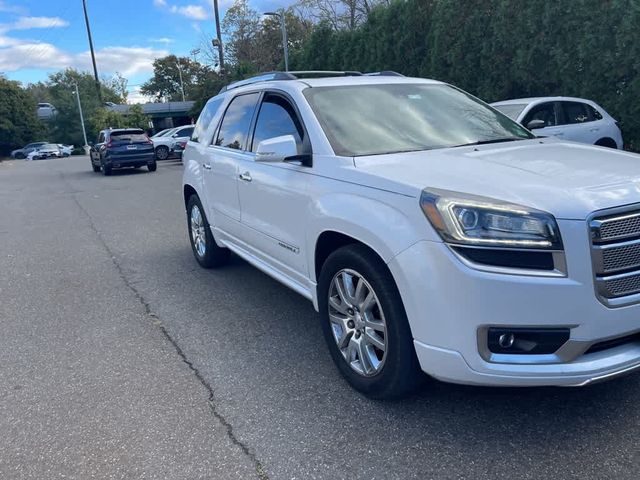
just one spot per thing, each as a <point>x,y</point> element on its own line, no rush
<point>365,324</point>
<point>207,252</point>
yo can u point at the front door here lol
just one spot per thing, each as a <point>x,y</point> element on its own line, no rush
<point>274,196</point>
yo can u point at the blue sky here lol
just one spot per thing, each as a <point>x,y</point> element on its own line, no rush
<point>38,37</point>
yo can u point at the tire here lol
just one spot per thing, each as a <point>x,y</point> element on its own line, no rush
<point>162,152</point>
<point>106,170</point>
<point>20,156</point>
<point>208,254</point>
<point>607,142</point>
<point>397,372</point>
<point>96,168</point>
<point>153,166</point>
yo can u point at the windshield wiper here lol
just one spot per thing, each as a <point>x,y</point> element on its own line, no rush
<point>495,140</point>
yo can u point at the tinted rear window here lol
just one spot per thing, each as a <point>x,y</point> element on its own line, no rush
<point>128,137</point>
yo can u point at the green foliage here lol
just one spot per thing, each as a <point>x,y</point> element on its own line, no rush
<point>165,83</point>
<point>499,49</point>
<point>59,90</point>
<point>18,122</point>
<point>104,118</point>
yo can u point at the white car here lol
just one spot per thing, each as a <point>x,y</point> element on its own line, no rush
<point>65,150</point>
<point>431,232</point>
<point>568,118</point>
<point>48,150</point>
<point>163,144</point>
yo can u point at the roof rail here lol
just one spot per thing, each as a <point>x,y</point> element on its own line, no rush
<point>384,73</point>
<point>269,76</point>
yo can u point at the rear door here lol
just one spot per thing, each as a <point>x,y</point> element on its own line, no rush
<point>580,122</point>
<point>220,168</point>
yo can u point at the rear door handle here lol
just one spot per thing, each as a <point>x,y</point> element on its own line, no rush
<point>246,177</point>
<point>206,166</point>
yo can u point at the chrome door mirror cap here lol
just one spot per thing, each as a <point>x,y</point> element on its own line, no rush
<point>277,149</point>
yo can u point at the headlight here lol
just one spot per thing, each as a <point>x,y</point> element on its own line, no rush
<point>479,221</point>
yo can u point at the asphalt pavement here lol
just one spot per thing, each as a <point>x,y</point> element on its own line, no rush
<point>121,358</point>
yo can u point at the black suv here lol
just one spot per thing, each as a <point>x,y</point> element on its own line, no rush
<point>120,148</point>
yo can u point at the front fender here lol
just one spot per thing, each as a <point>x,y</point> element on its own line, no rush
<point>387,225</point>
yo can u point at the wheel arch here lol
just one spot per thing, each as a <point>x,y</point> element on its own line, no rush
<point>187,191</point>
<point>607,142</point>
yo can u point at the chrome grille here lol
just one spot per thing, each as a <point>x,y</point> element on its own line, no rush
<point>615,250</point>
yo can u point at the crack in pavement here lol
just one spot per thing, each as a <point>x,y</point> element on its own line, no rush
<point>259,468</point>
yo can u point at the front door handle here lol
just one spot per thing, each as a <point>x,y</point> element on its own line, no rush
<point>246,176</point>
<point>206,166</point>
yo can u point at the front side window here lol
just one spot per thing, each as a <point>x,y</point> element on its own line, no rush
<point>276,118</point>
<point>234,129</point>
<point>545,112</point>
<point>389,118</point>
<point>185,132</point>
<point>575,112</point>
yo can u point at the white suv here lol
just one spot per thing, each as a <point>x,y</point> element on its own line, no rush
<point>568,118</point>
<point>164,144</point>
<point>431,232</point>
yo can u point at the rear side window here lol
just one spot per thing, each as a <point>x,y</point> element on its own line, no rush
<point>593,113</point>
<point>276,118</point>
<point>101,137</point>
<point>545,112</point>
<point>575,112</point>
<point>204,120</point>
<point>185,132</point>
<point>234,129</point>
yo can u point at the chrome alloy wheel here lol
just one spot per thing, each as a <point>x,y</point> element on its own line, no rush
<point>198,234</point>
<point>357,322</point>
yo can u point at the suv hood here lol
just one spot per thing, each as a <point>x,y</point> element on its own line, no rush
<point>569,180</point>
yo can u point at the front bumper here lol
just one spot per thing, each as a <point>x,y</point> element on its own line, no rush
<point>449,304</point>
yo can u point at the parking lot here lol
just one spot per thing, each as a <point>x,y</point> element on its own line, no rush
<point>120,357</point>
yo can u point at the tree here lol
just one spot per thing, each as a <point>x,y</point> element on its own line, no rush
<point>339,14</point>
<point>18,122</point>
<point>241,25</point>
<point>105,118</point>
<point>165,83</point>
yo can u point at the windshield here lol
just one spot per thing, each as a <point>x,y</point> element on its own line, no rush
<point>377,119</point>
<point>511,110</point>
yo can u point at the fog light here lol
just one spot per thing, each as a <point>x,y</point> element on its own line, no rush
<point>526,341</point>
<point>506,340</point>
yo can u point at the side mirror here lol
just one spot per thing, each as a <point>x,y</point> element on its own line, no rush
<point>535,124</point>
<point>277,149</point>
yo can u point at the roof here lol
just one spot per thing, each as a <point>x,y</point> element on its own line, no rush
<point>158,108</point>
<point>527,101</point>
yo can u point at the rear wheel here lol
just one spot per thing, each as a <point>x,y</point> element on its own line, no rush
<point>96,168</point>
<point>207,252</point>
<point>607,142</point>
<point>153,166</point>
<point>106,170</point>
<point>365,324</point>
<point>162,152</point>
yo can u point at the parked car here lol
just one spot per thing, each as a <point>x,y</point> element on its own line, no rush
<point>48,150</point>
<point>162,133</point>
<point>177,147</point>
<point>163,144</point>
<point>46,111</point>
<point>574,119</point>
<point>122,148</point>
<point>440,236</point>
<point>66,150</point>
<point>26,150</point>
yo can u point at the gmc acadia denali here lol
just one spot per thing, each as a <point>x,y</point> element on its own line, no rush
<point>431,232</point>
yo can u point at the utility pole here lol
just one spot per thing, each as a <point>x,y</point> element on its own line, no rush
<point>218,40</point>
<point>181,83</point>
<point>84,132</point>
<point>93,55</point>
<point>283,27</point>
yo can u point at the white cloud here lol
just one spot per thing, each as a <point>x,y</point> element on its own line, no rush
<point>27,23</point>
<point>135,96</point>
<point>195,12</point>
<point>7,8</point>
<point>163,40</point>
<point>19,54</point>
<point>160,3</point>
